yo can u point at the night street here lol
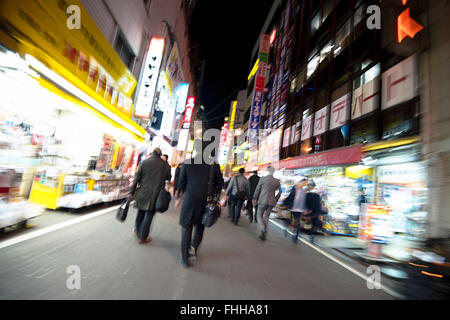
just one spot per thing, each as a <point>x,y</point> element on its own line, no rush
<point>232,264</point>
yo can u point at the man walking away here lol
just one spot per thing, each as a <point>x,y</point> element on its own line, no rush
<point>266,196</point>
<point>313,206</point>
<point>193,187</point>
<point>175,180</point>
<point>237,191</point>
<point>295,202</point>
<point>165,158</point>
<point>148,182</point>
<point>253,182</point>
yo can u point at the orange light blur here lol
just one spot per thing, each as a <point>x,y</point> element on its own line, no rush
<point>432,274</point>
<point>406,26</point>
<point>417,265</point>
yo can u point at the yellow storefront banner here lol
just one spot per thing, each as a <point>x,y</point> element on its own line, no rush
<point>85,52</point>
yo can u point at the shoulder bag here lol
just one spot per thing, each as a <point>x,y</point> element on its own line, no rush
<point>212,210</point>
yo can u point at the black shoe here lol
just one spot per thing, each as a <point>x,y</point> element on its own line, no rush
<point>185,264</point>
<point>262,237</point>
<point>294,240</point>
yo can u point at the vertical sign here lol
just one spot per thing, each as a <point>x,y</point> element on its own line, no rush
<point>260,79</point>
<point>400,83</point>
<point>307,128</point>
<point>149,77</point>
<point>339,111</point>
<point>188,112</point>
<point>321,121</point>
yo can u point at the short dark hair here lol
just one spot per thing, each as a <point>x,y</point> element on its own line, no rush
<point>165,155</point>
<point>255,172</point>
<point>241,170</point>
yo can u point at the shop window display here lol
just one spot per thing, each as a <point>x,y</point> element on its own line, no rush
<point>55,145</point>
<point>339,189</point>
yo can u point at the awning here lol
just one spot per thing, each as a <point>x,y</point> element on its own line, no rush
<point>347,155</point>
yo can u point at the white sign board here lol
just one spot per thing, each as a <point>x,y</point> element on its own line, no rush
<point>183,139</point>
<point>400,83</point>
<point>321,120</point>
<point>366,98</point>
<point>307,128</point>
<point>339,111</point>
<point>150,74</point>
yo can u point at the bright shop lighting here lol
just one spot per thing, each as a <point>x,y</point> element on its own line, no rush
<point>36,64</point>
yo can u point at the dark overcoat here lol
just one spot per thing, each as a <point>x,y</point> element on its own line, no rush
<point>150,178</point>
<point>193,181</point>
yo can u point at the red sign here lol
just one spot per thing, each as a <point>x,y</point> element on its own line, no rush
<point>259,83</point>
<point>334,157</point>
<point>188,112</point>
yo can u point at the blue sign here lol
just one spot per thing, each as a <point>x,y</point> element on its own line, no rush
<point>255,115</point>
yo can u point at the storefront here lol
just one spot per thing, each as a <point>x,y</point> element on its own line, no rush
<point>334,174</point>
<point>400,191</point>
<point>66,109</point>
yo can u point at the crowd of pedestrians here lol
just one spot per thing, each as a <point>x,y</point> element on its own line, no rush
<point>199,181</point>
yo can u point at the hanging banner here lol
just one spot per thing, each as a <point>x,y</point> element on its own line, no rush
<point>339,111</point>
<point>366,98</point>
<point>321,120</point>
<point>174,71</point>
<point>400,83</point>
<point>260,79</point>
<point>307,128</point>
<point>188,112</point>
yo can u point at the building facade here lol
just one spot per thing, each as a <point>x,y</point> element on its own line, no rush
<point>358,95</point>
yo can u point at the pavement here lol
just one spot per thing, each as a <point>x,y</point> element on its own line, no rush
<point>39,262</point>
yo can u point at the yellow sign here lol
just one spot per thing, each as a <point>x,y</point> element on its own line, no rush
<point>233,115</point>
<point>85,52</point>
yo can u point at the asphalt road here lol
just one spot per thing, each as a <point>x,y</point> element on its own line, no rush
<point>232,264</point>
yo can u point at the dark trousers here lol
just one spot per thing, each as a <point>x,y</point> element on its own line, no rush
<point>187,241</point>
<point>297,216</point>
<point>235,209</point>
<point>143,223</point>
<point>251,211</point>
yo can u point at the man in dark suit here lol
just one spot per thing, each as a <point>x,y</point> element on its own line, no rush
<point>148,182</point>
<point>266,196</point>
<point>165,158</point>
<point>313,206</point>
<point>253,181</point>
<point>175,180</point>
<point>193,190</point>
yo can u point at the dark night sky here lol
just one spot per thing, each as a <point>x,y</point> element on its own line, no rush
<point>226,32</point>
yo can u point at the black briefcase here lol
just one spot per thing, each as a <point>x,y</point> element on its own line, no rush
<point>163,201</point>
<point>122,212</point>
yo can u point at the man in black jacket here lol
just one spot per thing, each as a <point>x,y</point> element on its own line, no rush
<point>148,182</point>
<point>193,191</point>
<point>253,181</point>
<point>313,206</point>
<point>175,180</point>
<point>165,158</point>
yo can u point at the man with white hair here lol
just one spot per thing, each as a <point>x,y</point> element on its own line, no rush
<point>266,196</point>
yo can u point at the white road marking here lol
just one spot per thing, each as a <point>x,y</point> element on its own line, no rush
<point>342,264</point>
<point>38,233</point>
